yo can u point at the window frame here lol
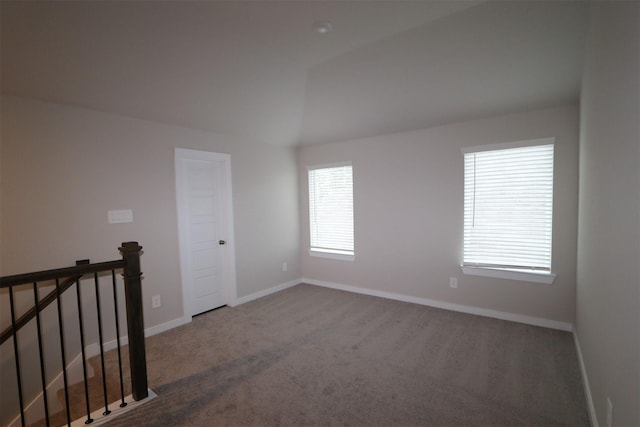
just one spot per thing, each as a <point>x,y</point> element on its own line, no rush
<point>521,274</point>
<point>329,253</point>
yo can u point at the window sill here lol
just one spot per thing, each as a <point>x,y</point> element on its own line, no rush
<point>339,255</point>
<point>501,273</point>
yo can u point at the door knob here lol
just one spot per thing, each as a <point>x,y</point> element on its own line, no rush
<point>221,242</point>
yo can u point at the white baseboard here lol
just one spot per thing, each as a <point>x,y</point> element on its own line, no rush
<point>585,382</point>
<point>155,330</point>
<point>264,293</point>
<point>519,318</point>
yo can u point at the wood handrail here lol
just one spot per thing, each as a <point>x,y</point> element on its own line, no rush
<point>41,276</point>
<point>73,274</point>
<point>31,313</point>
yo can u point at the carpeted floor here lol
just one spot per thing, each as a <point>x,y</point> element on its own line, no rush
<point>312,356</point>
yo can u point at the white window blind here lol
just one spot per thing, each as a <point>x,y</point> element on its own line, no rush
<point>508,204</point>
<point>331,209</point>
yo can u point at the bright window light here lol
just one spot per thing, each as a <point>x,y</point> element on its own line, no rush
<point>331,210</point>
<point>508,207</point>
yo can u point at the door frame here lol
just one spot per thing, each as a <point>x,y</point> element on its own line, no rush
<point>228,256</point>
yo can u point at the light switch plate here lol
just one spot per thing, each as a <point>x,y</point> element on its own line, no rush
<point>120,216</point>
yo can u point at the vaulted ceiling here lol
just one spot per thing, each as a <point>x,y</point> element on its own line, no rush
<point>258,70</point>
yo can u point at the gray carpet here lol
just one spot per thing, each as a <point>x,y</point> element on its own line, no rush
<point>314,356</point>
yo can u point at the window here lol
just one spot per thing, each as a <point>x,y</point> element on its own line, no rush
<point>508,206</point>
<point>331,211</point>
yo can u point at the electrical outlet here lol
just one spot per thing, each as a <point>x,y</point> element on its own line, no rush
<point>284,266</point>
<point>156,302</point>
<point>609,413</point>
<point>453,282</point>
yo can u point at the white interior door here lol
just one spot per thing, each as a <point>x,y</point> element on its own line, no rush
<point>203,192</point>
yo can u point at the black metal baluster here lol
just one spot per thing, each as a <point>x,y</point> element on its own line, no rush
<point>104,375</point>
<point>115,305</point>
<point>17,356</point>
<point>89,420</point>
<point>130,264</point>
<point>63,353</point>
<point>43,376</point>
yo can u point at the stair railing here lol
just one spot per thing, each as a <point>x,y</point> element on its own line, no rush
<point>64,279</point>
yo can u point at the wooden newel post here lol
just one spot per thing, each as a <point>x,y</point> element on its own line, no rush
<point>135,320</point>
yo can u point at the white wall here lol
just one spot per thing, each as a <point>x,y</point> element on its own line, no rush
<point>408,202</point>
<point>62,168</point>
<point>608,291</point>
